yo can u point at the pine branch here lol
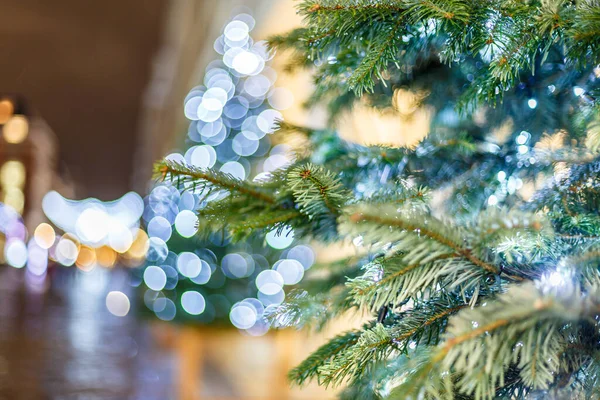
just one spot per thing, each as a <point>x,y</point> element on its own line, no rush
<point>313,311</point>
<point>201,179</point>
<point>422,325</point>
<point>482,343</point>
<point>418,224</point>
<point>316,190</point>
<point>309,368</point>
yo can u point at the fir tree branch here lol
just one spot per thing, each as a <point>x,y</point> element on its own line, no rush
<point>173,171</point>
<point>316,190</point>
<point>423,230</point>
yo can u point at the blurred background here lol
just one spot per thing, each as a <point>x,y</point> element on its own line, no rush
<point>104,293</point>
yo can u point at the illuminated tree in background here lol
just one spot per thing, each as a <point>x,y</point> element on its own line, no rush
<point>206,278</point>
<point>477,249</point>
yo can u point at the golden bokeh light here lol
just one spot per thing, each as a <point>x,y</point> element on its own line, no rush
<point>140,245</point>
<point>15,198</point>
<point>7,109</point>
<point>106,256</point>
<point>86,260</point>
<point>12,174</point>
<point>44,235</point>
<point>16,129</point>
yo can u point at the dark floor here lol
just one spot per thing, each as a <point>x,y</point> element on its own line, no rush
<point>63,343</point>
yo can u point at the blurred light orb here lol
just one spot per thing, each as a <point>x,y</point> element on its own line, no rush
<point>304,254</point>
<point>210,110</point>
<point>256,304</point>
<point>159,227</point>
<point>271,299</point>
<point>234,265</point>
<point>210,129</point>
<point>37,259</point>
<point>140,245</point>
<point>247,19</point>
<point>106,256</point>
<point>155,278</point>
<point>172,276</point>
<point>157,250</point>
<point>244,146</point>
<point>13,174</point>
<point>235,169</point>
<point>246,62</point>
<point>175,157</point>
<point>203,157</point>
<point>291,271</point>
<point>267,120</point>
<point>215,98</point>
<point>15,253</point>
<point>66,251</point>
<point>150,296</point>
<point>193,302</point>
<point>205,273</point>
<point>165,309</point>
<point>275,162</point>
<point>92,225</point>
<point>578,91</point>
<point>236,108</point>
<point>16,129</point>
<point>281,240</point>
<point>257,86</point>
<point>7,109</point>
<point>260,327</point>
<point>190,108</point>
<point>236,31</point>
<point>14,197</point>
<point>186,223</point>
<point>187,201</point>
<point>44,235</point>
<point>117,303</point>
<point>189,264</point>
<point>532,103</point>
<point>269,282</point>
<point>243,316</point>
<point>120,238</point>
<point>86,259</point>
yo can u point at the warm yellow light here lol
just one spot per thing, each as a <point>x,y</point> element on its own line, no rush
<point>106,256</point>
<point>140,245</point>
<point>86,260</point>
<point>16,129</point>
<point>15,198</point>
<point>6,110</point>
<point>12,174</point>
<point>44,235</point>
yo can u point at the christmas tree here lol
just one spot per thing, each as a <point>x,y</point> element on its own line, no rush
<point>477,247</point>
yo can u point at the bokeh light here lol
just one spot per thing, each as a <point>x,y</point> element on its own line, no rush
<point>117,303</point>
<point>7,109</point>
<point>155,278</point>
<point>44,235</point>
<point>193,302</point>
<point>189,264</point>
<point>280,238</point>
<point>15,253</point>
<point>186,223</point>
<point>16,129</point>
